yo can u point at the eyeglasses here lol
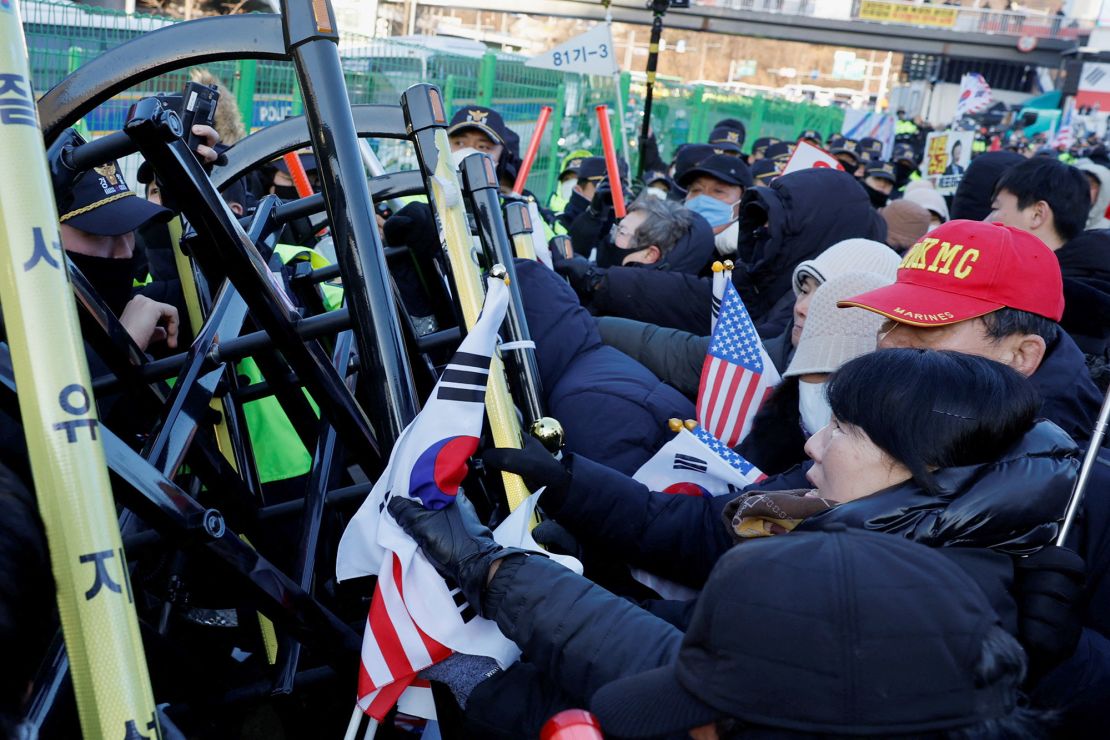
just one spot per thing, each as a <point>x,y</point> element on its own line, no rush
<point>620,230</point>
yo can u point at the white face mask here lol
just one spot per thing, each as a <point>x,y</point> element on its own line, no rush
<point>459,155</point>
<point>727,239</point>
<point>659,193</point>
<point>813,406</point>
<point>566,188</point>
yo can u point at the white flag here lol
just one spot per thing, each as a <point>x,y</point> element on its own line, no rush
<point>590,53</point>
<point>694,463</point>
<point>807,155</point>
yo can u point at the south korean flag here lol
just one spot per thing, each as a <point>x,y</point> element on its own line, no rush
<point>693,463</point>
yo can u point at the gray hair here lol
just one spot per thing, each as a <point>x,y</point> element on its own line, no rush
<point>666,223</point>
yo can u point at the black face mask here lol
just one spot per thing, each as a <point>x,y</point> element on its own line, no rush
<point>113,279</point>
<point>286,192</point>
<point>878,199</point>
<point>902,172</point>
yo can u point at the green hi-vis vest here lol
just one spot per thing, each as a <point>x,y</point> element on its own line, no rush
<point>278,451</point>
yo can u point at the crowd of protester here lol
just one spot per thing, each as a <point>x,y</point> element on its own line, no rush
<point>897,573</point>
<point>943,362</point>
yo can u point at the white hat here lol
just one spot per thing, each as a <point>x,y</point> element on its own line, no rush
<point>850,255</point>
<point>832,335</point>
<point>930,199</point>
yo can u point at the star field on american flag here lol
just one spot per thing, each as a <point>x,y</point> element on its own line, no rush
<point>736,376</point>
<point>726,453</point>
<point>735,339</point>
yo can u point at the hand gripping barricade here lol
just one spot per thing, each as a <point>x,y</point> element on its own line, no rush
<point>237,312</point>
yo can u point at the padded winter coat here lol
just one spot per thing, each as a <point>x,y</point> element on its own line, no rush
<point>1011,505</point>
<point>611,407</point>
<point>795,219</point>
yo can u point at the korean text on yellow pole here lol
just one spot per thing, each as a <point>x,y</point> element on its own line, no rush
<point>101,630</point>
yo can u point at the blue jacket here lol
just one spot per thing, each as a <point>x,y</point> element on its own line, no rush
<point>611,407</point>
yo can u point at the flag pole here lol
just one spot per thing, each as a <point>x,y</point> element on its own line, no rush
<point>354,724</point>
<point>1085,469</point>
<point>658,9</point>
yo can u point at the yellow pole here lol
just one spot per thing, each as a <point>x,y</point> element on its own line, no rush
<point>455,233</point>
<point>101,629</point>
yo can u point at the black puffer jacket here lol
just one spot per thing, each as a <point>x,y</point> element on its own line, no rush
<point>795,219</point>
<point>577,637</point>
<point>1011,505</point>
<point>1085,264</point>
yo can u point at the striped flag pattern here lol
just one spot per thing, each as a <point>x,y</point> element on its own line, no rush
<point>405,635</point>
<point>1064,137</point>
<point>737,375</point>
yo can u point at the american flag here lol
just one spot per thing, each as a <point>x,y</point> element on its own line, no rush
<point>737,375</point>
<point>975,95</point>
<point>405,635</point>
<point>1064,136</point>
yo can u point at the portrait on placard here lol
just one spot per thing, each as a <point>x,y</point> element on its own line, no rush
<point>947,155</point>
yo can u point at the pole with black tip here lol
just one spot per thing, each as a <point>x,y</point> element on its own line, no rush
<point>658,9</point>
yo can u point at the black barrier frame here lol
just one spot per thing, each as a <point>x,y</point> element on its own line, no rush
<point>369,324</point>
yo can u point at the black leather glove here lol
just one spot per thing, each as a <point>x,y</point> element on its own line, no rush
<point>455,541</point>
<point>536,466</point>
<point>1047,587</point>
<point>415,227</point>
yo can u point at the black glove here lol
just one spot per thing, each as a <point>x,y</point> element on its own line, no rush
<point>557,539</point>
<point>455,541</point>
<point>584,276</point>
<point>603,198</point>
<point>1047,587</point>
<point>536,466</point>
<point>415,227</point>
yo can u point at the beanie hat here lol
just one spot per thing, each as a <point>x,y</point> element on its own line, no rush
<point>913,185</point>
<point>850,255</point>
<point>906,222</point>
<point>832,335</point>
<point>929,198</point>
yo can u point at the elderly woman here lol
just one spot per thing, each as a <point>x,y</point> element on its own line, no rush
<point>940,448</point>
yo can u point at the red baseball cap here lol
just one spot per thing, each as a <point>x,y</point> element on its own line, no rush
<point>965,269</point>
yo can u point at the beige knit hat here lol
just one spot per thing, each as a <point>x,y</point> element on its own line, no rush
<point>832,335</point>
<point>850,255</point>
<point>930,199</point>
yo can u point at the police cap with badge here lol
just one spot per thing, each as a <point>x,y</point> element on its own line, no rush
<point>481,118</point>
<point>99,201</point>
<point>726,141</point>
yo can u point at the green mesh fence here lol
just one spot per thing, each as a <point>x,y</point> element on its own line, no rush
<point>61,37</point>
